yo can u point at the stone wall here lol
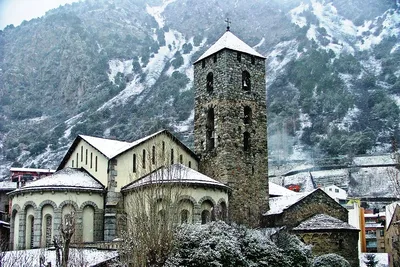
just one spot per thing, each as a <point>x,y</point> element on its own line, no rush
<point>316,203</point>
<point>244,171</point>
<point>341,242</point>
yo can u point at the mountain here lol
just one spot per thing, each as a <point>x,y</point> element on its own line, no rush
<point>123,69</point>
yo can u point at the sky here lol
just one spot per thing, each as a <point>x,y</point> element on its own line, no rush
<point>15,11</point>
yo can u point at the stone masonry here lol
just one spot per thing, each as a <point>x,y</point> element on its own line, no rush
<point>243,169</point>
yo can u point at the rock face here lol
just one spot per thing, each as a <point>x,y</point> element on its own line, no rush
<point>230,128</point>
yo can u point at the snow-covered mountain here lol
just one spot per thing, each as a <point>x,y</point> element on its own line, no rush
<point>123,69</point>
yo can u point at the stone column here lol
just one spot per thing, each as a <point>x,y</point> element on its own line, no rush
<point>78,235</point>
<point>98,225</point>
<point>197,214</point>
<point>56,222</point>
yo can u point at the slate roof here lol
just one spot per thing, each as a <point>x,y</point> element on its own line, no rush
<point>65,179</point>
<point>7,185</point>
<point>278,204</point>
<point>229,41</point>
<point>323,222</point>
<point>176,173</point>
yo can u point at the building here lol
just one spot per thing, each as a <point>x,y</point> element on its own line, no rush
<point>374,231</point>
<point>21,176</point>
<point>230,124</point>
<point>336,193</point>
<point>392,233</point>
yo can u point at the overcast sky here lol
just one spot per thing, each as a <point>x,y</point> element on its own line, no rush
<point>15,11</point>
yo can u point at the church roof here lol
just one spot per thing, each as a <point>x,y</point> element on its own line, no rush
<point>323,222</point>
<point>229,41</point>
<point>65,179</point>
<point>112,148</point>
<point>278,204</point>
<point>176,173</point>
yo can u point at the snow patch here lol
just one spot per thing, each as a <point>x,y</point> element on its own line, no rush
<point>117,66</point>
<point>260,43</point>
<point>295,15</point>
<point>348,119</point>
<point>156,12</point>
<point>186,125</point>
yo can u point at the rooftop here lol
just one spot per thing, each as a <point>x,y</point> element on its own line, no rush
<point>230,41</point>
<point>174,174</point>
<point>277,190</point>
<point>278,204</point>
<point>67,178</point>
<point>323,222</point>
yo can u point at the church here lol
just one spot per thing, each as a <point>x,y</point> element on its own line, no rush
<point>225,178</point>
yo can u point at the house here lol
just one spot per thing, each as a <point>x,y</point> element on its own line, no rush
<point>392,233</point>
<point>336,193</point>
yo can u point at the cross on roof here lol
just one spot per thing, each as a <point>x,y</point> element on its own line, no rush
<point>228,22</point>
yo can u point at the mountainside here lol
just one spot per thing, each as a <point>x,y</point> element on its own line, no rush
<point>123,69</point>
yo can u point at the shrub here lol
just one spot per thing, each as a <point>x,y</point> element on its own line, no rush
<point>329,260</point>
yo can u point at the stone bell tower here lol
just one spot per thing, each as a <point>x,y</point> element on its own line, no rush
<point>230,124</point>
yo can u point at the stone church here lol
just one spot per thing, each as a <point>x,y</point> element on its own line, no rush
<point>225,178</point>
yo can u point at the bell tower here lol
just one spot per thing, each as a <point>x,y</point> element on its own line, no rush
<point>230,124</point>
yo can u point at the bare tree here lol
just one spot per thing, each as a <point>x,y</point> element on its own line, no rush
<point>152,206</point>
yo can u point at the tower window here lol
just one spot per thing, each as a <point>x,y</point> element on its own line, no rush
<point>134,163</point>
<point>203,63</point>
<point>239,56</point>
<point>144,158</point>
<point>246,141</point>
<point>247,115</point>
<point>210,82</point>
<point>210,130</point>
<point>215,58</point>
<point>253,60</point>
<point>246,85</point>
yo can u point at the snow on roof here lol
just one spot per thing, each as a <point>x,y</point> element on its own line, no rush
<point>7,185</point>
<point>105,146</point>
<point>172,174</point>
<point>278,190</point>
<point>389,211</point>
<point>375,215</point>
<point>230,41</point>
<point>323,222</point>
<point>67,178</point>
<point>31,170</point>
<point>331,191</point>
<point>278,204</point>
<point>77,257</point>
<point>374,160</point>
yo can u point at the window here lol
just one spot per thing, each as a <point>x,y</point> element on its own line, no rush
<point>91,160</point>
<point>134,163</point>
<point>381,232</point>
<point>205,217</point>
<point>163,150</point>
<point>246,85</point>
<point>210,82</point>
<point>144,158</point>
<point>153,155</point>
<point>72,163</point>
<point>215,58</point>
<point>247,115</point>
<point>336,190</point>
<point>81,153</point>
<point>190,164</point>
<point>184,216</point>
<point>95,164</point>
<point>48,228</point>
<point>210,130</point>
<point>77,157</point>
<point>172,156</point>
<point>86,157</point>
<point>203,63</point>
<point>180,159</point>
<point>239,56</point>
<point>253,60</point>
<point>246,141</point>
<point>32,221</point>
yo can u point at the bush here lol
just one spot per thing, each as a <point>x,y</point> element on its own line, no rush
<point>330,260</point>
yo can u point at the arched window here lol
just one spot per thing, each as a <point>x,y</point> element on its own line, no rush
<point>29,227</point>
<point>15,217</point>
<point>203,63</point>
<point>247,115</point>
<point>205,216</point>
<point>253,60</point>
<point>215,58</point>
<point>184,216</point>
<point>246,141</point>
<point>88,224</point>
<point>210,82</point>
<point>239,56</point>
<point>210,129</point>
<point>223,211</point>
<point>246,84</point>
<point>48,228</point>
